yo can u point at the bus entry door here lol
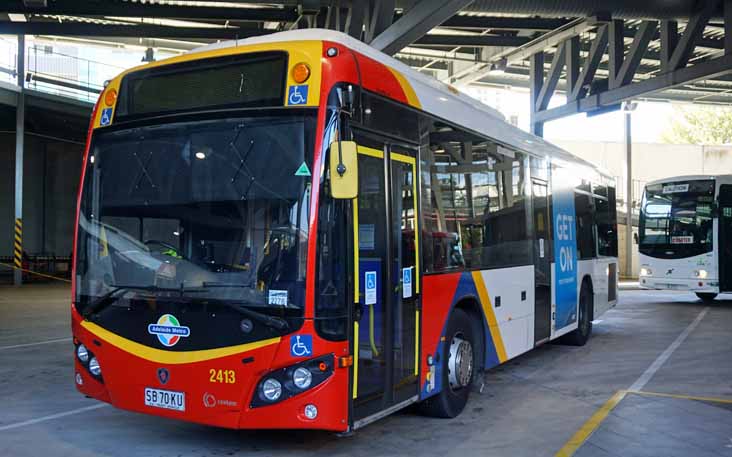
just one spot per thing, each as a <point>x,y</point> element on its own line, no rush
<point>385,327</point>
<point>724,250</point>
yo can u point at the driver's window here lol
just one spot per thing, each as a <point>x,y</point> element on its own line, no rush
<point>129,225</point>
<point>163,231</point>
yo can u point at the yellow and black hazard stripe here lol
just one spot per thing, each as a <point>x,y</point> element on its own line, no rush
<point>18,254</point>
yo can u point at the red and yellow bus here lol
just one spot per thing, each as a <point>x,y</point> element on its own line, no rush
<point>297,231</point>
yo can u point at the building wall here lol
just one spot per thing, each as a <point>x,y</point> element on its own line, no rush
<point>654,160</point>
<point>50,184</point>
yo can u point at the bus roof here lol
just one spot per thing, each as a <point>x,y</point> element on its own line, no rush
<point>435,97</point>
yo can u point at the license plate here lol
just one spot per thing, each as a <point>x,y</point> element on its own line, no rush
<point>166,399</point>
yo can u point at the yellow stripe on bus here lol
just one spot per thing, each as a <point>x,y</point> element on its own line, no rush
<point>355,359</point>
<point>490,315</point>
<point>409,92</point>
<point>370,152</point>
<point>357,273</point>
<point>169,357</point>
<point>416,344</point>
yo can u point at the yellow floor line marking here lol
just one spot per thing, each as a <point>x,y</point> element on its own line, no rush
<point>590,426</point>
<point>681,397</point>
<point>13,267</point>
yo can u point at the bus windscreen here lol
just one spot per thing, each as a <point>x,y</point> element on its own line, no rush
<point>239,81</point>
<point>676,218</point>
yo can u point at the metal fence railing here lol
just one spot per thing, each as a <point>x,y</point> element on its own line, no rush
<point>620,192</point>
<point>63,74</point>
<point>59,73</point>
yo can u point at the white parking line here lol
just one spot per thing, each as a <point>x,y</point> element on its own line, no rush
<point>661,359</point>
<point>16,346</point>
<point>51,417</point>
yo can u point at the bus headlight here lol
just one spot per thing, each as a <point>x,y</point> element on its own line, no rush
<point>271,389</point>
<point>645,272</point>
<point>281,384</point>
<point>94,367</point>
<point>701,274</point>
<point>302,378</point>
<point>82,353</point>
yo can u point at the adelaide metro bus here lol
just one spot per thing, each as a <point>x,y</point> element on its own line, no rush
<point>297,231</point>
<point>685,235</point>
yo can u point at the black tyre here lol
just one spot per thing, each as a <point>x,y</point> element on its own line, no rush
<point>706,297</point>
<point>580,336</point>
<point>459,368</point>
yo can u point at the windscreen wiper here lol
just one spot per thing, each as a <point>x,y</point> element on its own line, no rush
<point>109,298</point>
<point>242,307</point>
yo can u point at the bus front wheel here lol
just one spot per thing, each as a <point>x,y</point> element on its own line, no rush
<point>706,297</point>
<point>458,368</point>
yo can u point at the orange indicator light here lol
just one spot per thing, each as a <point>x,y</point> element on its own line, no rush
<point>300,72</point>
<point>110,97</point>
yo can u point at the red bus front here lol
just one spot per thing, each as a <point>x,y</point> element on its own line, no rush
<point>195,248</point>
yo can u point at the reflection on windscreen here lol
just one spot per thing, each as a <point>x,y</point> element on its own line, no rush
<point>678,216</point>
<point>220,206</point>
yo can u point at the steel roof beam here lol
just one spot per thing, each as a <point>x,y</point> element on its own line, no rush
<point>624,74</point>
<point>420,19</point>
<point>692,34</point>
<point>382,16</point>
<point>597,50</point>
<point>687,75</point>
<point>144,30</point>
<point>550,84</point>
<point>472,40</point>
<point>137,10</point>
<point>504,23</point>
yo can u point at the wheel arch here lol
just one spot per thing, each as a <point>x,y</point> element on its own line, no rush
<point>471,305</point>
<point>587,280</point>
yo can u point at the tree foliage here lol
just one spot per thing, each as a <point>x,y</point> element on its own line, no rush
<point>700,125</point>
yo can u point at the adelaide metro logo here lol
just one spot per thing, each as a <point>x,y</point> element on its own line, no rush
<point>168,330</point>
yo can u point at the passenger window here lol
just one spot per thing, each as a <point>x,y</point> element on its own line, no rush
<point>474,202</point>
<point>605,214</point>
<point>584,209</point>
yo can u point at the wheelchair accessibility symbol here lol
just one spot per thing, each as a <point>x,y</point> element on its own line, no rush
<point>106,116</point>
<point>297,95</point>
<point>301,345</point>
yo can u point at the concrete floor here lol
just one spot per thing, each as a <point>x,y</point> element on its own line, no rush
<point>531,406</point>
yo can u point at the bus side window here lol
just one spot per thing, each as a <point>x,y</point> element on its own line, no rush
<point>474,202</point>
<point>585,220</point>
<point>605,214</point>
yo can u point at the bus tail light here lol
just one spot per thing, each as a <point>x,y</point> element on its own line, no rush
<point>287,382</point>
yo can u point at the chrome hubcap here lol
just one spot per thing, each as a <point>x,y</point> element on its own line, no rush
<point>460,366</point>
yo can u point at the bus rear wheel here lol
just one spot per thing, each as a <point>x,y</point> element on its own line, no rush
<point>706,297</point>
<point>458,368</point>
<point>580,336</point>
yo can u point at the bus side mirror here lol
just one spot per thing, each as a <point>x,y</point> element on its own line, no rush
<point>635,237</point>
<point>343,170</point>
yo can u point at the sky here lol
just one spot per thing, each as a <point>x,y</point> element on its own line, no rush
<point>649,120</point>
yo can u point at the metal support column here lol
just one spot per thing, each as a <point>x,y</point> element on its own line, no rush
<point>19,132</point>
<point>536,78</point>
<point>628,112</point>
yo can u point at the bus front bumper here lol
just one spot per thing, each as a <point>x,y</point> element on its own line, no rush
<point>222,401</point>
<point>692,285</point>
